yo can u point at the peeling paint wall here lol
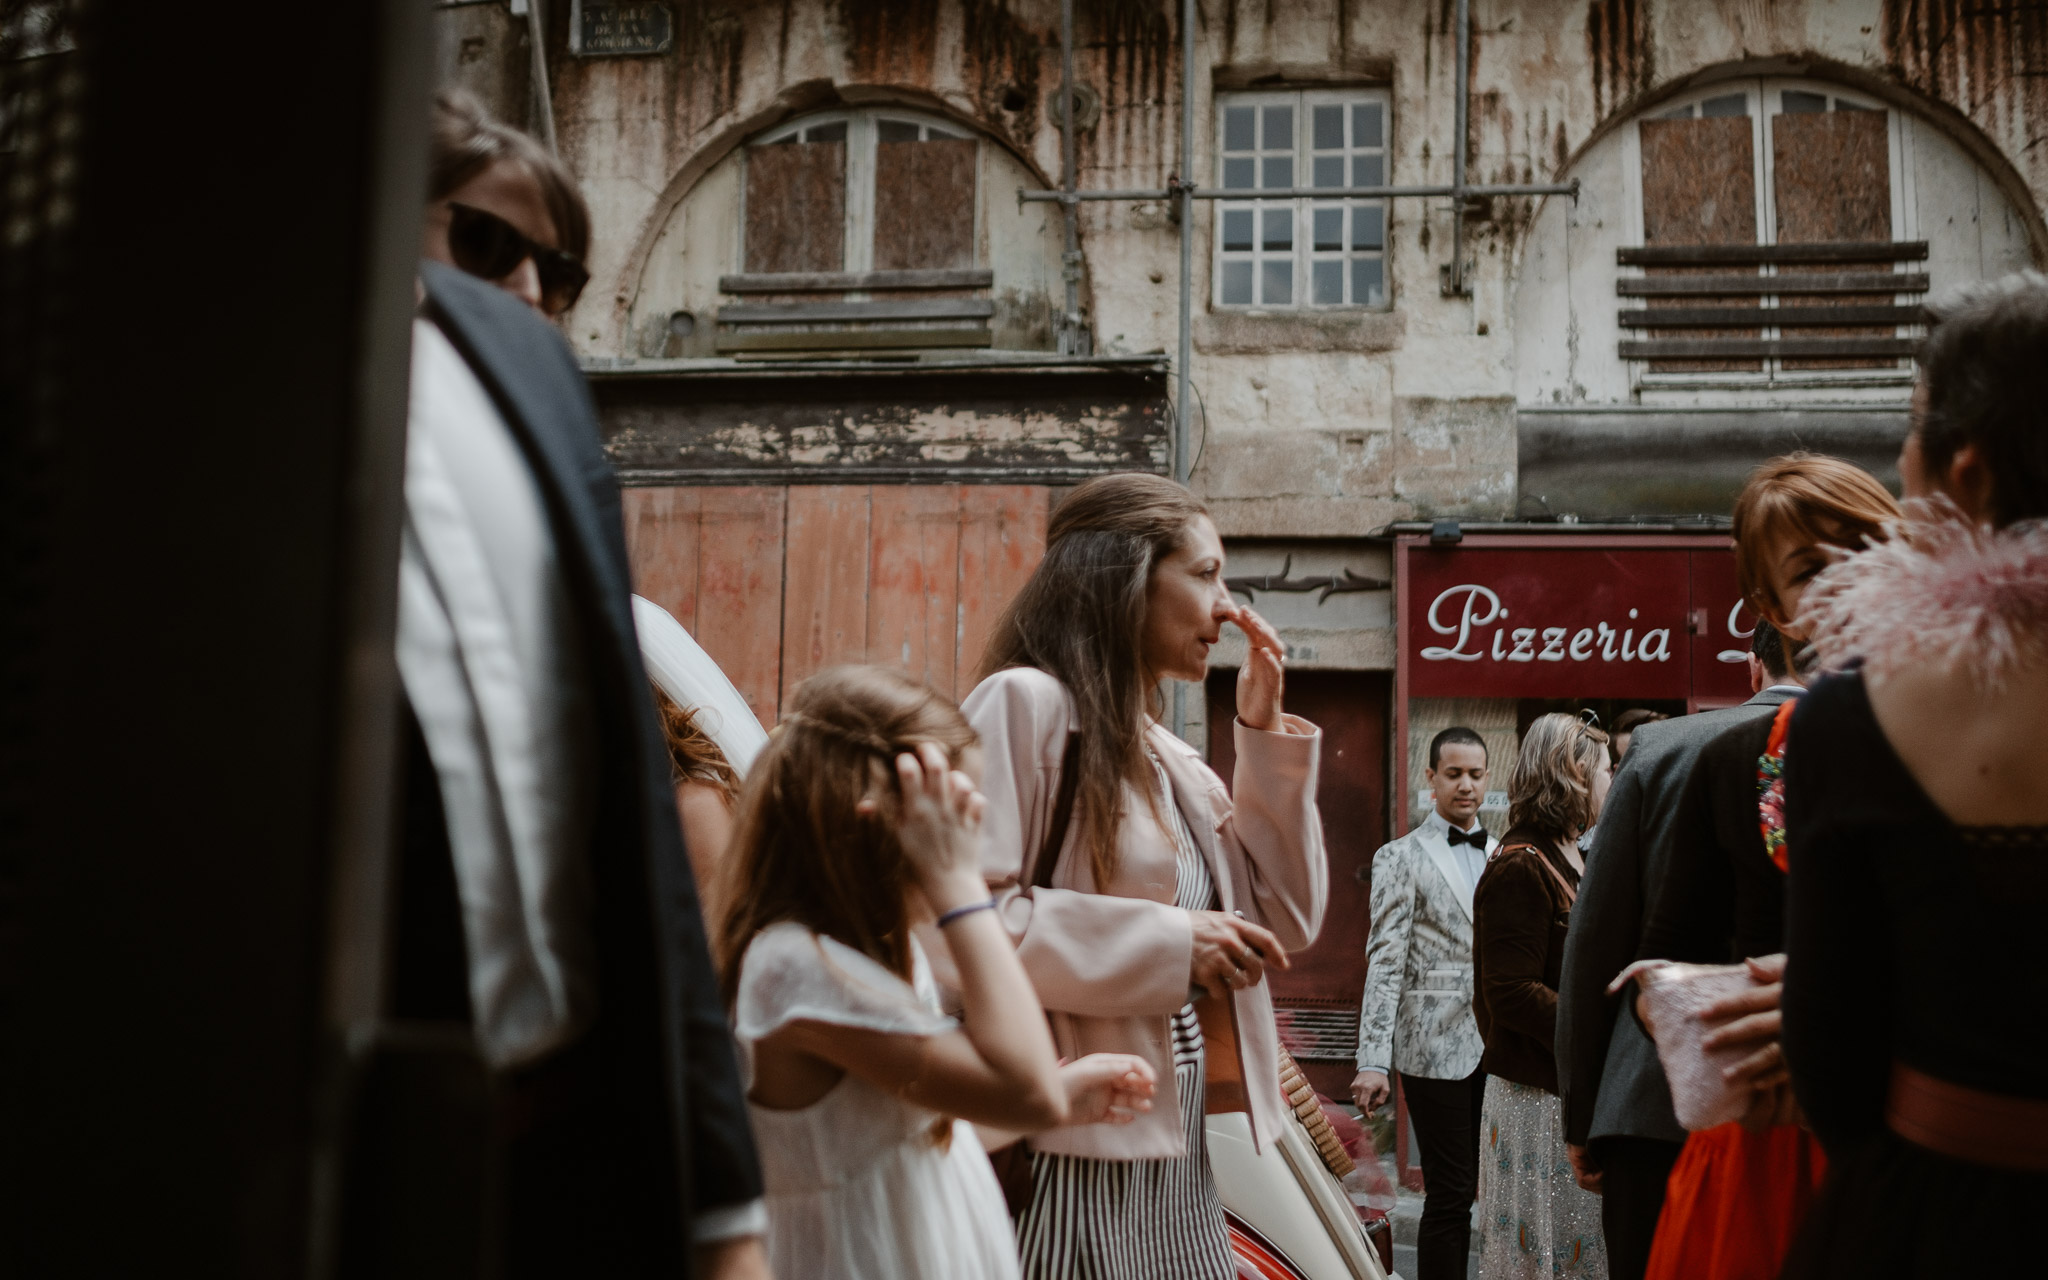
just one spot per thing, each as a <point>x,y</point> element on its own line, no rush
<point>1309,425</point>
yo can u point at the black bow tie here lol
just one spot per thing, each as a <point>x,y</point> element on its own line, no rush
<point>1476,837</point>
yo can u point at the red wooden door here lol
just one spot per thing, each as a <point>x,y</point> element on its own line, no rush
<point>1317,1000</point>
<point>777,583</point>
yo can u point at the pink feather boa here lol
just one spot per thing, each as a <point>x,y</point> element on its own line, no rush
<point>1941,590</point>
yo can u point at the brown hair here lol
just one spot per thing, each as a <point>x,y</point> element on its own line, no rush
<point>1631,720</point>
<point>468,141</point>
<point>1081,618</point>
<point>1551,788</point>
<point>692,755</point>
<point>1985,383</point>
<point>802,850</point>
<point>1810,496</point>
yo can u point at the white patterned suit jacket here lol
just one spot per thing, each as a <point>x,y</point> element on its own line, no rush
<point>1417,1012</point>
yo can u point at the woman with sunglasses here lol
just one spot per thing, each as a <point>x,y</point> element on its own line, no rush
<point>501,208</point>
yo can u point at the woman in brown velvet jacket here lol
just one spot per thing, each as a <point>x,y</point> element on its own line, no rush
<point>1533,1219</point>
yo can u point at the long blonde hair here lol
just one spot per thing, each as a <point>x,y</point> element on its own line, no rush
<point>803,851</point>
<point>1551,788</point>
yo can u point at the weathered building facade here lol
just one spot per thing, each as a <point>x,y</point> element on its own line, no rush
<point>842,380</point>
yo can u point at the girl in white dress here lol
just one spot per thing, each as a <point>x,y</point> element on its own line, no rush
<point>859,821</point>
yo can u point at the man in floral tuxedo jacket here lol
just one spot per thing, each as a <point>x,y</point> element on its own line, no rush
<point>1417,1013</point>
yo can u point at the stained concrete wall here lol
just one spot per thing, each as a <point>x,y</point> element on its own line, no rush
<point>1310,425</point>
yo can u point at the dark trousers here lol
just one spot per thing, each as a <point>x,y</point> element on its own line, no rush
<point>1633,1174</point>
<point>1445,1116</point>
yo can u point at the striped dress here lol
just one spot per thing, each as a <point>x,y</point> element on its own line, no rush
<point>1093,1219</point>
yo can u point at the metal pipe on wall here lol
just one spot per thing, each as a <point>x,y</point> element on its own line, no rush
<point>1456,286</point>
<point>1027,195</point>
<point>1182,464</point>
<point>1070,261</point>
<point>544,99</point>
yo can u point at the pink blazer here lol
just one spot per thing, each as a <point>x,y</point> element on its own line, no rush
<point>1111,962</point>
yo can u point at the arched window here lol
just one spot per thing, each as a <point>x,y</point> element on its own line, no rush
<point>854,192</point>
<point>1774,239</point>
<point>853,233</point>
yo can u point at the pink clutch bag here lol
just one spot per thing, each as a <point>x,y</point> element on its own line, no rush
<point>1672,997</point>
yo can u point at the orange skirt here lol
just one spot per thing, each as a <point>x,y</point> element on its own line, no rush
<point>1734,1202</point>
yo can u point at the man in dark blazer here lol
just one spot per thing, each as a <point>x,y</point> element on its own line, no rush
<point>545,907</point>
<point>1619,1126</point>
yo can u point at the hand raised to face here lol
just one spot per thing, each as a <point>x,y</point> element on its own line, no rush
<point>1262,680</point>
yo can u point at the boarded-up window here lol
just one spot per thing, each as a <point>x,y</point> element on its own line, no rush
<point>1760,200</point>
<point>796,205</point>
<point>1699,188</point>
<point>859,193</point>
<point>1831,180</point>
<point>924,203</point>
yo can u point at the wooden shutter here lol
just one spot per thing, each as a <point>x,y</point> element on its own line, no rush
<point>1831,179</point>
<point>796,207</point>
<point>777,583</point>
<point>924,204</point>
<point>713,557</point>
<point>1699,187</point>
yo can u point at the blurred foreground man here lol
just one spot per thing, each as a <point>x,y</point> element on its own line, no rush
<point>544,900</point>
<point>1417,1013</point>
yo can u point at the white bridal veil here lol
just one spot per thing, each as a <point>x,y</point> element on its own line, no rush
<point>679,665</point>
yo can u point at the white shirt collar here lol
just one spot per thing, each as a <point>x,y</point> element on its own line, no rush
<point>1794,689</point>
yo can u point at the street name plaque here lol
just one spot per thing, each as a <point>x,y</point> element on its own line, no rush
<point>620,30</point>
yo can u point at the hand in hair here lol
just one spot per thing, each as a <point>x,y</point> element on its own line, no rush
<point>1263,677</point>
<point>939,825</point>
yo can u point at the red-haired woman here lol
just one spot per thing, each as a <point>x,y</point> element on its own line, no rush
<point>1740,1190</point>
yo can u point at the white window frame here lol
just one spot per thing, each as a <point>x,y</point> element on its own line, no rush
<point>1763,99</point>
<point>862,133</point>
<point>1300,213</point>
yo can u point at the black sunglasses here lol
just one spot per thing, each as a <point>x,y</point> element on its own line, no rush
<point>485,245</point>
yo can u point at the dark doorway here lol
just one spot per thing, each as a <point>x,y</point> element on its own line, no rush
<point>1317,1000</point>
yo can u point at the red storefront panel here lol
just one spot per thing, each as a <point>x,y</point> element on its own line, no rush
<point>1723,625</point>
<point>1536,622</point>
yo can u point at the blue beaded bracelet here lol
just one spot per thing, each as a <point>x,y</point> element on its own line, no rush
<point>968,910</point>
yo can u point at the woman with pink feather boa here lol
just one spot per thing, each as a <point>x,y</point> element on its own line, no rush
<point>1916,795</point>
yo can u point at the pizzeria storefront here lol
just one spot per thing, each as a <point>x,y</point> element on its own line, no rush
<point>1499,625</point>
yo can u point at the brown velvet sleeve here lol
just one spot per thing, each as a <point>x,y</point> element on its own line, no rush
<point>1511,917</point>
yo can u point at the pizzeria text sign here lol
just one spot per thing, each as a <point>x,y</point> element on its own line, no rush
<point>1554,622</point>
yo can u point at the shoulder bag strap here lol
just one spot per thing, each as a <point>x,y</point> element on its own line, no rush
<point>1062,815</point>
<point>1571,895</point>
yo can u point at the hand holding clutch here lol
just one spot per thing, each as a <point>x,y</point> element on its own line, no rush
<point>1677,1003</point>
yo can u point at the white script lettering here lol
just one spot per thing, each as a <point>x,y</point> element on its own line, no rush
<point>1479,607</point>
<point>1468,618</point>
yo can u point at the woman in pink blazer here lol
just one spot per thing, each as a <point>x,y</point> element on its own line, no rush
<point>1161,889</point>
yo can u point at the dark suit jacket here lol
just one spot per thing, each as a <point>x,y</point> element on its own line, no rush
<point>1721,897</point>
<point>1520,914</point>
<point>1608,1075</point>
<point>660,1123</point>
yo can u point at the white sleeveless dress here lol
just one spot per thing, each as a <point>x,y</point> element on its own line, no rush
<point>859,1187</point>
